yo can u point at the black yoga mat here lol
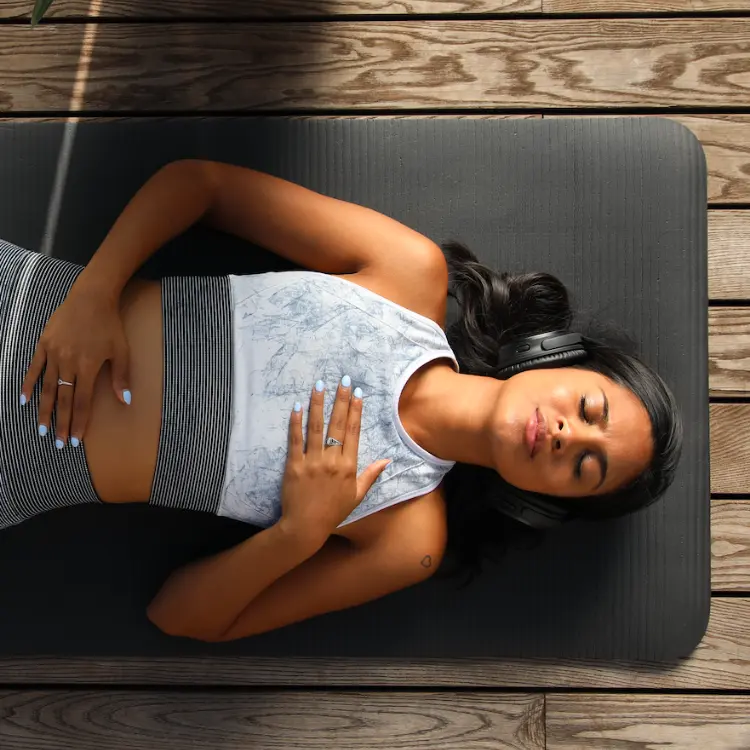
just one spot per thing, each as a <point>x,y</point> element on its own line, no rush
<point>615,207</point>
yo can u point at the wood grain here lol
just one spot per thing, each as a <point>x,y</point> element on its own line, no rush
<point>721,661</point>
<point>642,6</point>
<point>730,547</point>
<point>245,9</point>
<point>149,720</point>
<point>641,722</point>
<point>730,448</point>
<point>348,65</point>
<point>729,351</point>
<point>729,255</point>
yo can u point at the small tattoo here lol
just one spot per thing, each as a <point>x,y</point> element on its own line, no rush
<point>426,561</point>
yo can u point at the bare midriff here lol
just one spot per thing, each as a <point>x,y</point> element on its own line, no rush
<point>121,442</point>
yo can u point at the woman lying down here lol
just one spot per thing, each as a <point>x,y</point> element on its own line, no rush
<point>327,407</point>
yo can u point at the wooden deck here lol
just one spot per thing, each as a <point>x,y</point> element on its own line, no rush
<point>685,59</point>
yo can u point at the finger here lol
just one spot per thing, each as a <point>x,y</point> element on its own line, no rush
<point>82,397</point>
<point>337,425</point>
<point>315,421</point>
<point>63,411</point>
<point>120,370</point>
<point>32,374</point>
<point>296,439</point>
<point>353,423</point>
<point>367,478</point>
<point>49,394</point>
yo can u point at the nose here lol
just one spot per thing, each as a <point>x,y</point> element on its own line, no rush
<point>567,435</point>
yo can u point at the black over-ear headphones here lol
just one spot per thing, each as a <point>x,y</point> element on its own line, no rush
<point>545,350</point>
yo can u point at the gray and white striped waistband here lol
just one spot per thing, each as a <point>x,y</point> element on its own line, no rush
<point>197,405</point>
<point>35,476</point>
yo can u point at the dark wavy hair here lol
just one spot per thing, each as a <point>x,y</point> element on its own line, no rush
<point>494,308</point>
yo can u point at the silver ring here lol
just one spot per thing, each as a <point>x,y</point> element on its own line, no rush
<point>60,381</point>
<point>332,441</point>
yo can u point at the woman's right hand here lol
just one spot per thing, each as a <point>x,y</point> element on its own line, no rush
<point>83,333</point>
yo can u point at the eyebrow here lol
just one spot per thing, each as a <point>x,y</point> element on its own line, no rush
<point>602,457</point>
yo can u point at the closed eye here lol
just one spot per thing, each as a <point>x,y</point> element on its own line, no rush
<point>600,457</point>
<point>583,410</point>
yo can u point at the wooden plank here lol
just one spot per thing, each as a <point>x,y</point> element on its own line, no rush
<point>246,9</point>
<point>426,64</point>
<point>643,6</point>
<point>721,661</point>
<point>730,547</point>
<point>729,255</point>
<point>679,722</point>
<point>321,8</point>
<point>729,350</point>
<point>730,448</point>
<point>149,720</point>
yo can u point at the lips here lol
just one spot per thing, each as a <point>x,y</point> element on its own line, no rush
<point>535,431</point>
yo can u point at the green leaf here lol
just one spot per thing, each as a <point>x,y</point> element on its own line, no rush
<point>40,8</point>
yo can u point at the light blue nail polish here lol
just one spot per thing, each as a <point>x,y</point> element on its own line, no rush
<point>42,430</point>
<point>74,442</point>
<point>59,444</point>
<point>357,392</point>
<point>23,400</point>
<point>319,386</point>
<point>126,396</point>
<point>297,406</point>
<point>346,381</point>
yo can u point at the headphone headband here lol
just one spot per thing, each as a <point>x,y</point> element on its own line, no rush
<point>526,348</point>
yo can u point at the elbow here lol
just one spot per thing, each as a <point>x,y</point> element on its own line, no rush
<point>198,173</point>
<point>171,624</point>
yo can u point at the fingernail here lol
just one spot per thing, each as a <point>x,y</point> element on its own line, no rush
<point>59,444</point>
<point>297,406</point>
<point>319,386</point>
<point>346,381</point>
<point>42,430</point>
<point>23,400</point>
<point>126,396</point>
<point>74,442</point>
<point>357,392</point>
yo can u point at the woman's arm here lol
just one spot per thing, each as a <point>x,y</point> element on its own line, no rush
<point>170,202</point>
<point>306,227</point>
<point>203,599</point>
<point>338,576</point>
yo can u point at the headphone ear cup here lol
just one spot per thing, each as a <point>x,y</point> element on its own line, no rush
<point>530,510</point>
<point>557,359</point>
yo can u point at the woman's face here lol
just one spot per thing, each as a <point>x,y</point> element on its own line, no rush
<point>570,433</point>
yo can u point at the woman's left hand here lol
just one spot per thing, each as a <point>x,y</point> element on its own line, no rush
<point>320,486</point>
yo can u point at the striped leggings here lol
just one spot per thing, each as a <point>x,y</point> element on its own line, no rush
<point>36,477</point>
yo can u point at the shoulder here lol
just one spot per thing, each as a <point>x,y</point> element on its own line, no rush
<point>416,280</point>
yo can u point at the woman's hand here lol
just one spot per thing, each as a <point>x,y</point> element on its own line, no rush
<point>81,335</point>
<point>320,487</point>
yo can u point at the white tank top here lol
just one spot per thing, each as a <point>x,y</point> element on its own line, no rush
<point>292,328</point>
